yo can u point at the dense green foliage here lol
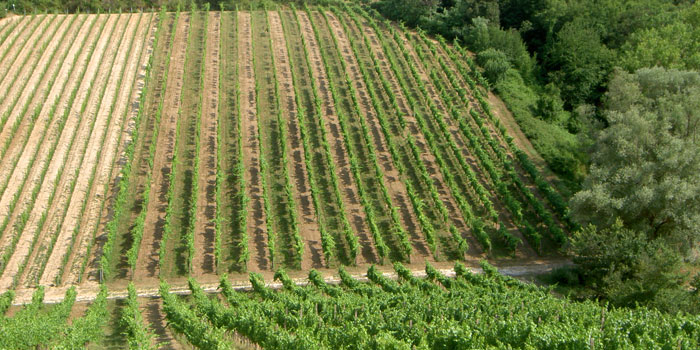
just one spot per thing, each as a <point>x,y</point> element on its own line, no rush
<point>472,311</point>
<point>641,198</point>
<point>562,54</point>
<point>38,325</point>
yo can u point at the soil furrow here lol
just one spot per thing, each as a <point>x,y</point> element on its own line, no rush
<point>257,230</point>
<point>89,130</point>
<point>13,45</point>
<point>308,226</point>
<point>40,205</point>
<point>392,180</point>
<point>413,129</point>
<point>356,214</point>
<point>103,139</point>
<point>16,172</point>
<point>21,112</point>
<point>21,66</point>
<point>127,105</point>
<point>149,251</point>
<point>205,225</point>
<point>54,112</point>
<point>29,103</point>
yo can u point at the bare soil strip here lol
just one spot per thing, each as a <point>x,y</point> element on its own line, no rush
<point>308,226</point>
<point>78,168</point>
<point>100,149</point>
<point>356,214</point>
<point>31,98</point>
<point>43,155</point>
<point>28,81</point>
<point>25,243</point>
<point>20,66</point>
<point>257,229</point>
<point>147,263</point>
<point>127,105</point>
<point>427,157</point>
<point>14,46</point>
<point>205,225</point>
<point>15,172</point>
<point>392,180</point>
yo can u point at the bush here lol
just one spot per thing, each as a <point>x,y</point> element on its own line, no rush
<point>495,64</point>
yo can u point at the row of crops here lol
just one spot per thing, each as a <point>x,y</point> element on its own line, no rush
<point>470,311</point>
<point>383,135</point>
<point>69,82</point>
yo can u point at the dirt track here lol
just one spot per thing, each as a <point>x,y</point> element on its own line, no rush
<point>205,225</point>
<point>147,262</point>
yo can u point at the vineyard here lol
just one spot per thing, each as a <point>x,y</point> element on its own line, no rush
<point>186,146</point>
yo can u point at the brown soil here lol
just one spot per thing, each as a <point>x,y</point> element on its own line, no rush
<point>15,36</point>
<point>392,178</point>
<point>34,81</point>
<point>21,53</point>
<point>147,263</point>
<point>106,149</point>
<point>109,165</point>
<point>308,221</point>
<point>205,225</point>
<point>16,172</point>
<point>77,168</point>
<point>101,144</point>
<point>427,157</point>
<point>356,214</point>
<point>54,167</point>
<point>257,230</point>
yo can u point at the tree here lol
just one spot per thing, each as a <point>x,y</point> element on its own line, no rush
<point>645,167</point>
<point>495,64</point>
<point>578,62</point>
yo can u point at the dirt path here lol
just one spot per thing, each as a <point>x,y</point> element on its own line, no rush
<point>147,262</point>
<point>88,292</point>
<point>48,180</point>
<point>109,167</point>
<point>205,225</point>
<point>392,179</point>
<point>31,80</point>
<point>427,157</point>
<point>356,214</point>
<point>100,149</point>
<point>78,168</point>
<point>16,172</point>
<point>257,230</point>
<point>19,66</point>
<point>308,225</point>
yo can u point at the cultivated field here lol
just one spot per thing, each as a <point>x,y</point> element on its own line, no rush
<point>140,147</point>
